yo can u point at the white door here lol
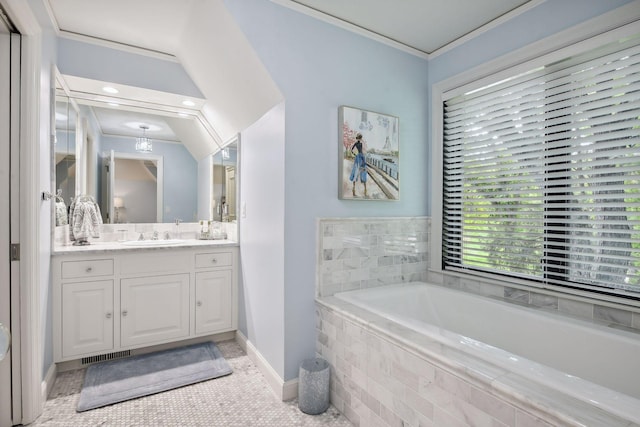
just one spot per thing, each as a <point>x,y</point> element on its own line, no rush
<point>213,293</point>
<point>10,407</point>
<point>154,309</point>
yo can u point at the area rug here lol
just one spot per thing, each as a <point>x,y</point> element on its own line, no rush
<point>119,380</point>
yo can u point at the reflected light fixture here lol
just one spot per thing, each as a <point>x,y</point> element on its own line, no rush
<point>143,143</point>
<point>110,89</point>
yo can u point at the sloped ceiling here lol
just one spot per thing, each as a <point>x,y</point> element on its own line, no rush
<point>204,38</point>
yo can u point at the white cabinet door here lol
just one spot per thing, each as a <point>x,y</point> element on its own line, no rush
<point>154,309</point>
<point>213,301</point>
<point>87,317</point>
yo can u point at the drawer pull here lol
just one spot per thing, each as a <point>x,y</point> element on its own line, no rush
<point>124,313</point>
<point>89,269</point>
<point>108,315</point>
<point>214,261</point>
<point>199,303</point>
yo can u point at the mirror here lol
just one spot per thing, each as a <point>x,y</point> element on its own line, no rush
<point>63,151</point>
<point>166,183</point>
<point>224,188</point>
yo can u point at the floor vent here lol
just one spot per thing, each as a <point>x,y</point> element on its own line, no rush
<point>103,357</point>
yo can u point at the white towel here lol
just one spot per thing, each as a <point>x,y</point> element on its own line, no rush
<point>85,219</point>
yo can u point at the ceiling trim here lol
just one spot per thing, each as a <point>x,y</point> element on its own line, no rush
<point>52,16</point>
<point>119,46</point>
<point>486,27</point>
<point>292,4</point>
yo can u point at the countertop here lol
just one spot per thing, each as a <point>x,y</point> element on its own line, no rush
<point>97,247</point>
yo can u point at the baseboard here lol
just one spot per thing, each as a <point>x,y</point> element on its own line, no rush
<point>290,389</point>
<point>284,390</point>
<point>48,381</point>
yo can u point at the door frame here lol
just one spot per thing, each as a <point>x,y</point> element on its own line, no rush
<point>27,205</point>
<point>8,80</point>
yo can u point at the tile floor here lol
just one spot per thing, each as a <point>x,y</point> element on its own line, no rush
<point>241,399</point>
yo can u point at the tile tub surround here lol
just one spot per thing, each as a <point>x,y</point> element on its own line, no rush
<point>602,312</point>
<point>337,235</point>
<point>357,253</point>
<point>386,375</point>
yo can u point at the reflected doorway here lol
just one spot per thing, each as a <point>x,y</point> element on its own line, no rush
<point>132,188</point>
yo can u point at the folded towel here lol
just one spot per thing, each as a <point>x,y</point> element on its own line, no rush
<point>85,219</point>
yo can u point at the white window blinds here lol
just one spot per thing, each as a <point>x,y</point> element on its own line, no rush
<point>541,173</point>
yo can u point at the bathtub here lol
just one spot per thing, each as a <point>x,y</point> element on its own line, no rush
<point>592,363</point>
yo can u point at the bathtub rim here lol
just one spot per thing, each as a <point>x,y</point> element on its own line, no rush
<point>539,399</point>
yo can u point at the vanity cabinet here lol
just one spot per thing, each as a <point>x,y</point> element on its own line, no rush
<point>87,317</point>
<point>122,300</point>
<point>154,309</point>
<point>213,291</point>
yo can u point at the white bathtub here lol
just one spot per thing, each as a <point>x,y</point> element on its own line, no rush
<point>594,363</point>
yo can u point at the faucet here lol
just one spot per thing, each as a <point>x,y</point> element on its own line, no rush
<point>155,236</point>
<point>177,221</point>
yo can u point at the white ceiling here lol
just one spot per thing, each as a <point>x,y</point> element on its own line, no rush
<point>150,24</point>
<point>421,27</point>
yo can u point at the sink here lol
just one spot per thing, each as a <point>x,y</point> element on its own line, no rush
<point>153,243</point>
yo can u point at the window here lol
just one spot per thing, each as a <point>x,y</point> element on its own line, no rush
<point>541,173</point>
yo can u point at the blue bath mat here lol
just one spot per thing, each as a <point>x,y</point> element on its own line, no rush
<point>119,380</point>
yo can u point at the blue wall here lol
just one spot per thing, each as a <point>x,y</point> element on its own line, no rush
<point>111,65</point>
<point>319,67</point>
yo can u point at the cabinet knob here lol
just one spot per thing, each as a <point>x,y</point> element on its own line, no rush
<point>124,312</point>
<point>89,269</point>
<point>199,303</point>
<point>213,260</point>
<point>108,315</point>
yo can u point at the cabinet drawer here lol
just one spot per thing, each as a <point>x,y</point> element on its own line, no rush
<point>155,262</point>
<point>214,259</point>
<point>87,268</point>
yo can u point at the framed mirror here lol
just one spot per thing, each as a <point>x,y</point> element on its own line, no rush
<point>162,179</point>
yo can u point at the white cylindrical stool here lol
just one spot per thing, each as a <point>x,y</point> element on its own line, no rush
<point>313,386</point>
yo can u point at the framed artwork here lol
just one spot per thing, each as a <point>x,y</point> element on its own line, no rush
<point>369,155</point>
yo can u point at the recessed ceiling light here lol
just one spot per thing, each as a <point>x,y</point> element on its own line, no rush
<point>189,103</point>
<point>110,89</point>
<point>113,104</point>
